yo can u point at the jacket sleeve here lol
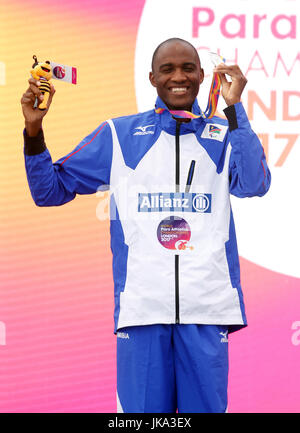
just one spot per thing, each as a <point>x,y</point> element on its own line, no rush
<point>83,171</point>
<point>249,174</point>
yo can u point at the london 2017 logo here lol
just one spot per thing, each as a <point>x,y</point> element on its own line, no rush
<point>59,72</point>
<point>174,233</point>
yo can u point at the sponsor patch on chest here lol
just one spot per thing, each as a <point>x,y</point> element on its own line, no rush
<point>214,131</point>
<point>174,202</point>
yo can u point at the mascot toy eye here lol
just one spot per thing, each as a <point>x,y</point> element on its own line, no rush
<point>43,73</point>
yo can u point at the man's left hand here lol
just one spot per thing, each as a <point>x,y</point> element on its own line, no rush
<point>231,91</point>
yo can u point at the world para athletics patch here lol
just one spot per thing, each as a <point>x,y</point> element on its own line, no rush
<point>174,202</point>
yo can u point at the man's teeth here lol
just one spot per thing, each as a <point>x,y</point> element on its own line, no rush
<point>179,89</point>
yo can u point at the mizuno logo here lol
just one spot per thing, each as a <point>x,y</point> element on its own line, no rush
<point>142,130</point>
<point>174,202</point>
<point>224,338</point>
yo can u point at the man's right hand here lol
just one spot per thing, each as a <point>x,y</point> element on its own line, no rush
<point>34,116</point>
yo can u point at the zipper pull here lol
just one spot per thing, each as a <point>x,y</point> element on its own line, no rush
<point>190,176</point>
<point>177,151</point>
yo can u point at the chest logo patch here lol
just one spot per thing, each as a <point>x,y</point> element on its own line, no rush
<point>174,202</point>
<point>174,233</point>
<point>214,132</point>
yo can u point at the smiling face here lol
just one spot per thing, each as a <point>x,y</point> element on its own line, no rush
<point>177,74</point>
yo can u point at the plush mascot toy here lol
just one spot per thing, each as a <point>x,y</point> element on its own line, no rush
<point>43,73</point>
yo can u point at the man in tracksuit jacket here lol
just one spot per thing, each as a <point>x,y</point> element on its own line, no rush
<point>175,258</point>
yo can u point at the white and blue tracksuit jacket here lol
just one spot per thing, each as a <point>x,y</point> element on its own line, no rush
<point>175,257</point>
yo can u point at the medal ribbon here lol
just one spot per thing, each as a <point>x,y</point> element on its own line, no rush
<point>212,103</point>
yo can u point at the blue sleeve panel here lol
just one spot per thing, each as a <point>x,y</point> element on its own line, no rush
<point>83,171</point>
<point>248,170</point>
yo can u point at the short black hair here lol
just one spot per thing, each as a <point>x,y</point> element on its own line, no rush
<point>166,42</point>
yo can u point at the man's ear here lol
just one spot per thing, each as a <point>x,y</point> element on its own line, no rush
<point>152,79</point>
<point>201,75</point>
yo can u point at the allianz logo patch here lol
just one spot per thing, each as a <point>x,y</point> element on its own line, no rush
<point>214,132</point>
<point>174,202</point>
<point>143,130</point>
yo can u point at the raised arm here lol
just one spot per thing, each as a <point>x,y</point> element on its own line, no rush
<point>34,116</point>
<point>248,170</point>
<point>82,171</point>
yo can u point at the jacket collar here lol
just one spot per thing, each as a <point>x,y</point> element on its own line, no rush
<point>168,123</point>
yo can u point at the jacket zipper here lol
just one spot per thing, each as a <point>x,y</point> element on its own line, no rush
<point>190,176</point>
<point>177,185</point>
